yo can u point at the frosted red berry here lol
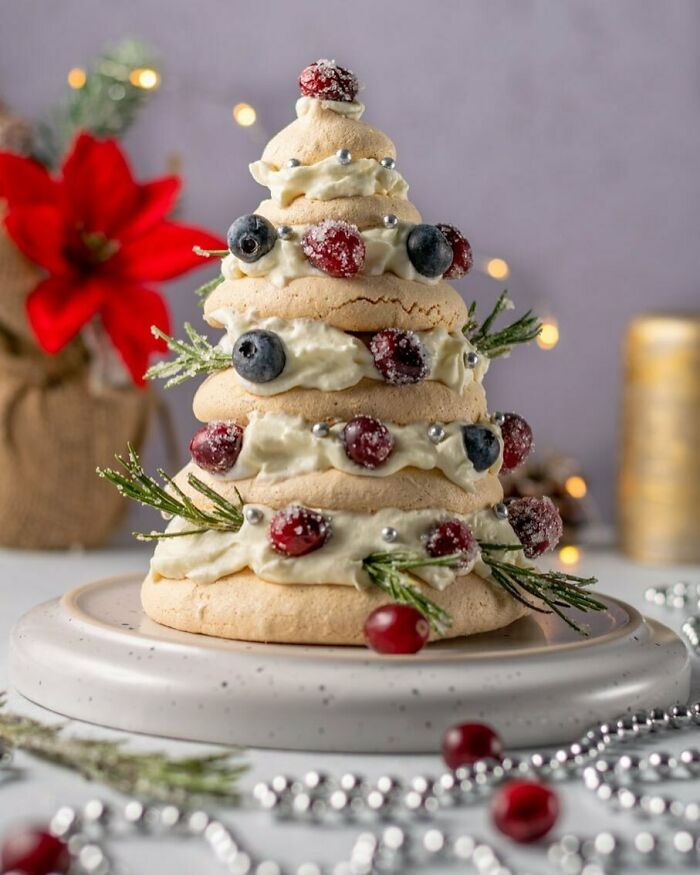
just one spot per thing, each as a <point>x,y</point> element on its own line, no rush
<point>467,743</point>
<point>537,524</point>
<point>335,247</point>
<point>462,257</point>
<point>452,536</point>
<point>216,446</point>
<point>396,629</point>
<point>33,851</point>
<point>327,81</point>
<point>399,356</point>
<point>368,442</point>
<point>297,530</point>
<point>525,811</point>
<point>517,441</point>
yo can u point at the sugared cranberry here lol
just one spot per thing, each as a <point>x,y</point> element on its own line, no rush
<point>335,247</point>
<point>524,810</point>
<point>368,442</point>
<point>399,356</point>
<point>536,522</point>
<point>466,743</point>
<point>462,258</point>
<point>216,446</point>
<point>33,852</point>
<point>452,536</point>
<point>297,530</point>
<point>517,441</point>
<point>327,81</point>
<point>396,629</point>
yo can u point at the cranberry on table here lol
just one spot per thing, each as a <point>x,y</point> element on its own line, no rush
<point>399,356</point>
<point>327,81</point>
<point>452,536</point>
<point>517,441</point>
<point>336,248</point>
<point>368,442</point>
<point>297,530</point>
<point>216,446</point>
<point>525,811</point>
<point>467,743</point>
<point>397,629</point>
<point>33,851</point>
<point>536,522</point>
<point>462,258</point>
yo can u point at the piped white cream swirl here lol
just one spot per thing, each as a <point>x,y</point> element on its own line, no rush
<point>352,109</point>
<point>320,356</point>
<point>329,179</point>
<point>207,557</point>
<point>385,252</point>
<point>277,446</point>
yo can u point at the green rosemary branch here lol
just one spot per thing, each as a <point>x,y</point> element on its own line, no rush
<point>555,589</point>
<point>495,343</point>
<point>153,776</point>
<point>210,253</point>
<point>191,359</point>
<point>171,500</point>
<point>386,570</point>
<point>206,289</point>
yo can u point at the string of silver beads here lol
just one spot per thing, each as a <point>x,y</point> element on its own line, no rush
<point>681,595</point>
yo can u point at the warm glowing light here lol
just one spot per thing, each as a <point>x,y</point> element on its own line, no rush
<point>145,77</point>
<point>77,77</point>
<point>569,555</point>
<point>244,115</point>
<point>497,268</point>
<point>576,486</point>
<point>548,337</point>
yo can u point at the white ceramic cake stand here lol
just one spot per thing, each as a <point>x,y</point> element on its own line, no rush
<point>93,655</point>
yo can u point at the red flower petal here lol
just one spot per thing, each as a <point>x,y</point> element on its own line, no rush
<point>24,181</point>
<point>39,232</point>
<point>128,316</point>
<point>99,190</point>
<point>164,252</point>
<point>60,306</point>
<point>156,200</point>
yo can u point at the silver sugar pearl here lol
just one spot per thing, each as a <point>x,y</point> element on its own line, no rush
<point>389,534</point>
<point>293,162</point>
<point>285,232</point>
<point>501,510</point>
<point>436,433</point>
<point>389,163</point>
<point>95,811</point>
<point>499,418</point>
<point>64,821</point>
<point>253,515</point>
<point>92,859</point>
<point>344,156</point>
<point>320,429</point>
<point>390,220</point>
<point>471,359</point>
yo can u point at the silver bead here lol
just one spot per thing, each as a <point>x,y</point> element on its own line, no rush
<point>394,838</point>
<point>351,782</point>
<point>95,811</point>
<point>253,515</point>
<point>197,822</point>
<point>434,841</point>
<point>471,359</point>
<point>499,419</point>
<point>320,429</point>
<point>285,232</point>
<point>389,534</point>
<point>680,716</point>
<point>390,220</point>
<point>690,760</point>
<point>92,859</point>
<point>293,162</point>
<point>64,821</point>
<point>661,763</point>
<point>135,812</point>
<point>281,784</point>
<point>389,163</point>
<point>315,780</point>
<point>268,867</point>
<point>645,844</point>
<point>463,847</point>
<point>344,156</point>
<point>170,816</point>
<point>436,433</point>
<point>501,510</point>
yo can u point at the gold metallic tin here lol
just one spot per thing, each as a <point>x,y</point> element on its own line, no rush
<point>659,481</point>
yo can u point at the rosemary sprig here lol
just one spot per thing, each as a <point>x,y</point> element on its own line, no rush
<point>206,289</point>
<point>210,253</point>
<point>171,500</point>
<point>191,359</point>
<point>495,343</point>
<point>153,776</point>
<point>386,570</point>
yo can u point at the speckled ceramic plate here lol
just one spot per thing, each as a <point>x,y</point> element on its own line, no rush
<point>95,656</point>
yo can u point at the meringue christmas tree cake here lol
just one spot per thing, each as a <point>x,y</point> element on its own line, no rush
<point>344,486</point>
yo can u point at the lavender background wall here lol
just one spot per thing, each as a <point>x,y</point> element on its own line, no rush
<point>564,137</point>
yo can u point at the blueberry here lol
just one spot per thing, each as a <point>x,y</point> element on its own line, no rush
<point>251,237</point>
<point>429,250</point>
<point>259,356</point>
<point>481,446</point>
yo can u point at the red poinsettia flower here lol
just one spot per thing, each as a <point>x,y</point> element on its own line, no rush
<point>102,239</point>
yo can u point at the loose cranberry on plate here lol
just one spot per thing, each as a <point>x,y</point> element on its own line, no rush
<point>216,446</point>
<point>33,851</point>
<point>524,810</point>
<point>400,356</point>
<point>336,248</point>
<point>397,629</point>
<point>368,442</point>
<point>467,743</point>
<point>297,530</point>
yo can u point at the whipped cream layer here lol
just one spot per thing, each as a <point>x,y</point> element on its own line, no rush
<point>352,109</point>
<point>385,253</point>
<point>329,179</point>
<point>207,557</point>
<point>326,358</point>
<point>277,446</point>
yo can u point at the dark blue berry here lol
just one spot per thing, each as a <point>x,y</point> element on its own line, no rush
<point>429,250</point>
<point>259,356</point>
<point>251,237</point>
<point>481,446</point>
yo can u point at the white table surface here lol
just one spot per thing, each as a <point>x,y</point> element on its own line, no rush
<point>28,578</point>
